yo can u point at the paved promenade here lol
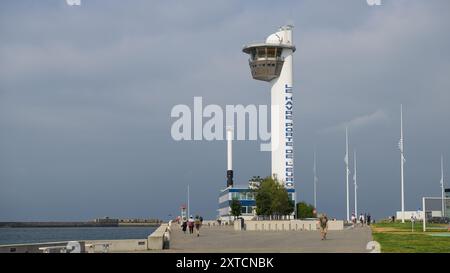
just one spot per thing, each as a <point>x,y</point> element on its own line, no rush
<point>225,239</point>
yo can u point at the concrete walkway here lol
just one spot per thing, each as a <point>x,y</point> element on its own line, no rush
<point>225,239</point>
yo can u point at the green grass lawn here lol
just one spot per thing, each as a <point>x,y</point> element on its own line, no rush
<point>407,226</point>
<point>398,238</point>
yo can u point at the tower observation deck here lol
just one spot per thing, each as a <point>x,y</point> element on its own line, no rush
<point>271,61</point>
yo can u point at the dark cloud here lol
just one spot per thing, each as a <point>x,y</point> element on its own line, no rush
<point>86,94</point>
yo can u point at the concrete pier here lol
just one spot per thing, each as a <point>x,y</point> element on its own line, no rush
<point>226,239</point>
<point>282,237</point>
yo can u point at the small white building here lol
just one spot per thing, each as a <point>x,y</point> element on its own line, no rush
<point>418,214</point>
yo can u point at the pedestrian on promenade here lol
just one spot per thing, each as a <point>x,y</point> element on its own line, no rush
<point>323,224</point>
<point>353,219</point>
<point>191,224</point>
<point>369,219</point>
<point>361,219</point>
<point>198,223</point>
<point>184,225</point>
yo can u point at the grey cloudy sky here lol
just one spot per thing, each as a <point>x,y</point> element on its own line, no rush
<point>86,94</point>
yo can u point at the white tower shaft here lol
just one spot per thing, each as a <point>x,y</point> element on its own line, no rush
<point>347,171</point>
<point>230,157</point>
<point>229,149</point>
<point>356,184</point>
<point>402,161</point>
<point>282,116</point>
<point>315,181</point>
<point>442,186</point>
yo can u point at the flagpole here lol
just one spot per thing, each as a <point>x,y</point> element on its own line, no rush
<point>188,209</point>
<point>347,171</point>
<point>356,185</point>
<point>315,180</point>
<point>442,185</point>
<point>402,159</point>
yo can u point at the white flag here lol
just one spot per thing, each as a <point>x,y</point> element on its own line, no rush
<point>400,144</point>
<point>314,169</point>
<point>442,170</point>
<point>73,2</point>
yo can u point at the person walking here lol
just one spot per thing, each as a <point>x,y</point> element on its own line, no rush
<point>353,219</point>
<point>184,225</point>
<point>369,219</point>
<point>198,224</point>
<point>191,224</point>
<point>323,225</point>
<point>361,219</point>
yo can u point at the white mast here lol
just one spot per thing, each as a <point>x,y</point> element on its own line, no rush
<point>229,156</point>
<point>229,149</point>
<point>442,185</point>
<point>315,180</point>
<point>402,161</point>
<point>347,171</point>
<point>188,210</point>
<point>356,185</point>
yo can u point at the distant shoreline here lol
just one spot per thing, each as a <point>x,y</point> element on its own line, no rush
<point>72,224</point>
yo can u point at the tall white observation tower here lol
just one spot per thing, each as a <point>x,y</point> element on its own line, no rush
<point>272,62</point>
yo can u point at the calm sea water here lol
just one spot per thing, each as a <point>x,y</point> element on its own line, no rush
<point>41,235</point>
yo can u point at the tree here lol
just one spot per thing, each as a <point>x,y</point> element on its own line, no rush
<point>255,182</point>
<point>305,210</point>
<point>256,179</point>
<point>290,208</point>
<point>272,199</point>
<point>235,208</point>
<point>264,196</point>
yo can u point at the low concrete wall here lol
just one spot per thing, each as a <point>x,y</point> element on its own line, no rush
<point>336,225</point>
<point>210,223</point>
<point>286,225</point>
<point>213,223</point>
<point>237,225</point>
<point>117,245</point>
<point>125,245</point>
<point>158,239</point>
<point>33,248</point>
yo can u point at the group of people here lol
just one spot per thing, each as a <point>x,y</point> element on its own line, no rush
<point>192,223</point>
<point>363,219</point>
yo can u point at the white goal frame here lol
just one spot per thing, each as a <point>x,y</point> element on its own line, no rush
<point>446,199</point>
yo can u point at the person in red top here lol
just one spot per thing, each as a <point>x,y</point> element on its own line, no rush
<point>191,224</point>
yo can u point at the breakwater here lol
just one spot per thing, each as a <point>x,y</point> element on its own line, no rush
<point>71,224</point>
